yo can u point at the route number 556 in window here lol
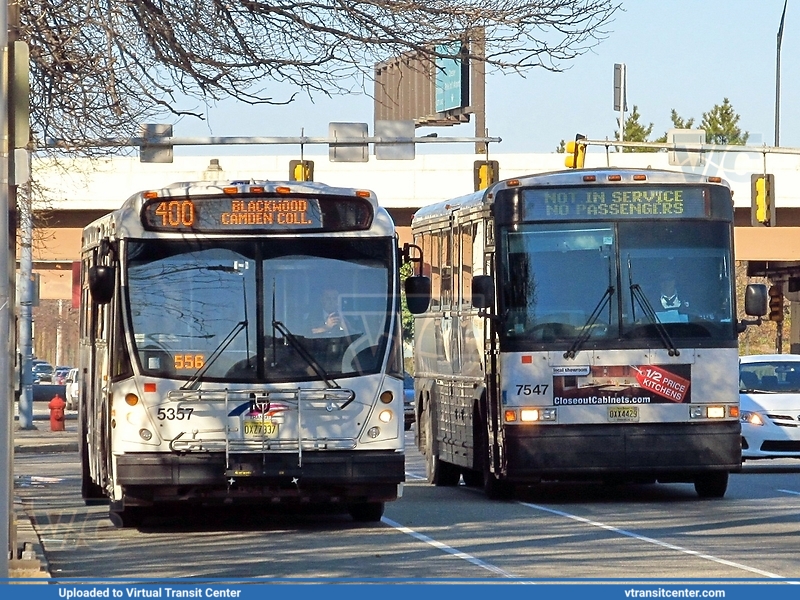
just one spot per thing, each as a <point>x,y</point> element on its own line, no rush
<point>189,361</point>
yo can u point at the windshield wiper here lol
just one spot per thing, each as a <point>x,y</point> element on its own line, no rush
<point>637,295</point>
<point>650,313</point>
<point>237,269</point>
<point>215,355</point>
<point>304,354</point>
<point>587,327</point>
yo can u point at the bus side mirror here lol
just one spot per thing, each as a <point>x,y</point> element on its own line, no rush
<point>482,291</point>
<point>101,283</point>
<point>418,293</point>
<point>756,300</point>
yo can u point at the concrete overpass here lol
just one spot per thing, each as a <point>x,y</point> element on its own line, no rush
<point>76,191</point>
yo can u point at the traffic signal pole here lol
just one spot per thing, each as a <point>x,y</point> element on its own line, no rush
<point>7,271</point>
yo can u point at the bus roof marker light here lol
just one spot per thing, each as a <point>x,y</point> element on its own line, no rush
<point>589,178</point>
<point>282,189</point>
<point>150,195</point>
<point>363,194</point>
<point>512,182</point>
<point>615,177</point>
<point>640,177</point>
<point>229,189</point>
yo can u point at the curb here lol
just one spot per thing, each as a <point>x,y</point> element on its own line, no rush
<point>46,448</point>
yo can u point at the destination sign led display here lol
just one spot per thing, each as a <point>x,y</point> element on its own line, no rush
<point>629,202</point>
<point>248,213</point>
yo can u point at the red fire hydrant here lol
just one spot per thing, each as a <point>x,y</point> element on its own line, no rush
<point>57,406</point>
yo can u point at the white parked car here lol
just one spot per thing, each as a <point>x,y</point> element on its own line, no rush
<point>769,398</point>
<point>72,389</point>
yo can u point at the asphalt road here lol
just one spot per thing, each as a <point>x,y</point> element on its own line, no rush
<point>551,531</point>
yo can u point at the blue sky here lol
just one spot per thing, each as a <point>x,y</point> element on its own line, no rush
<point>681,54</point>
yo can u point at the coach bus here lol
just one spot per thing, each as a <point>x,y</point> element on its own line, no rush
<point>579,325</point>
<point>215,373</point>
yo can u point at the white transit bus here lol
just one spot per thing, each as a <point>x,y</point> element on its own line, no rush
<point>240,343</point>
<point>579,325</point>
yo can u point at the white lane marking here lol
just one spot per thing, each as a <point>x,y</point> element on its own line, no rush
<point>790,492</point>
<point>448,549</point>
<point>649,540</point>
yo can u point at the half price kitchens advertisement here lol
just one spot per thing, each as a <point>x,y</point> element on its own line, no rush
<point>623,384</point>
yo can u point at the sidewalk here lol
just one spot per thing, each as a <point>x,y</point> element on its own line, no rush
<point>30,561</point>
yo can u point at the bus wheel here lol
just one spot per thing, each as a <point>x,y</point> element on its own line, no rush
<point>472,478</point>
<point>711,485</point>
<point>366,512</point>
<point>91,493</point>
<point>126,517</point>
<point>497,489</point>
<point>438,472</point>
<point>494,488</point>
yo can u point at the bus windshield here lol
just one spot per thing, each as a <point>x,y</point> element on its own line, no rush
<point>271,311</point>
<point>604,281</point>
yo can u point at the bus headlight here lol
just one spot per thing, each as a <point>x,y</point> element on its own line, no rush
<point>385,416</point>
<point>706,412</point>
<point>532,415</point>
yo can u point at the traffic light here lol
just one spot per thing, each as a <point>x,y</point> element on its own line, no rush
<point>775,303</point>
<point>576,153</point>
<point>486,173</point>
<point>301,170</point>
<point>762,192</point>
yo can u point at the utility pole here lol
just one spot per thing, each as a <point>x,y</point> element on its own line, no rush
<point>7,272</point>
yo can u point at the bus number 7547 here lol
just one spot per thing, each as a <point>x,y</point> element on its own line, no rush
<point>532,390</point>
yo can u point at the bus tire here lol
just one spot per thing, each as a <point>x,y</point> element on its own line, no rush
<point>472,478</point>
<point>496,489</point>
<point>366,512</point>
<point>438,472</point>
<point>91,493</point>
<point>711,485</point>
<point>131,516</point>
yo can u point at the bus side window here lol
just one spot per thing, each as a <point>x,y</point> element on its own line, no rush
<point>466,263</point>
<point>436,269</point>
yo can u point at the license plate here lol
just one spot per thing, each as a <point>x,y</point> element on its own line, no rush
<point>623,413</point>
<point>260,429</point>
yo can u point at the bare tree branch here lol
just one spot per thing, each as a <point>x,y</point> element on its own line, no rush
<point>99,68</point>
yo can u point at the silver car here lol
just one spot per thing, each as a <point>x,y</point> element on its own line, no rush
<point>72,388</point>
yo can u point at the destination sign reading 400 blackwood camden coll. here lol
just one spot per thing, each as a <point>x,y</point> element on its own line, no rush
<point>618,202</point>
<point>226,214</point>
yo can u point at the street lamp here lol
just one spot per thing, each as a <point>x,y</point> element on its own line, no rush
<point>778,79</point>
